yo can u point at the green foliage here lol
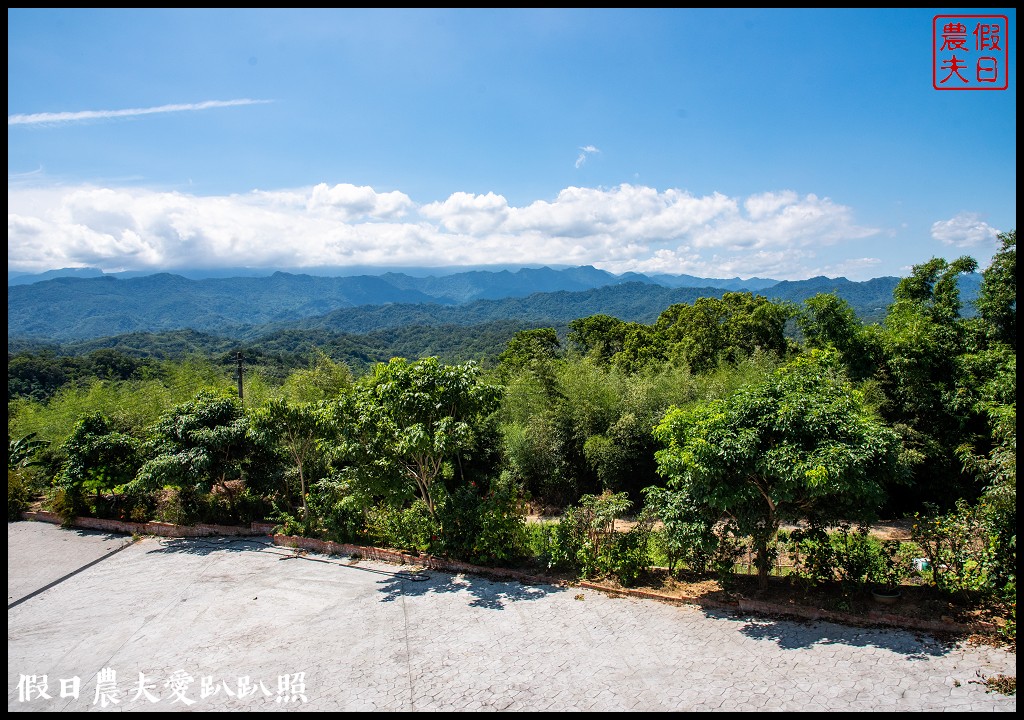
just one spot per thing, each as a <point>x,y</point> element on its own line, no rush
<point>584,427</point>
<point>203,445</point>
<point>800,444</point>
<point>38,376</point>
<point>997,298</point>
<point>925,348</point>
<point>688,536</point>
<point>857,555</point>
<point>486,528</point>
<point>850,556</point>
<point>585,540</point>
<point>630,553</point>
<point>300,431</point>
<point>28,461</point>
<point>713,330</point>
<point>18,494</point>
<point>533,455</point>
<point>66,504</point>
<point>813,555</point>
<point>528,349</point>
<point>99,459</point>
<point>416,423</point>
<point>338,509</point>
<point>827,322</point>
<point>23,452</point>
<point>1008,596</point>
<point>894,565</point>
<point>955,545</point>
<point>599,337</point>
<point>188,506</point>
<point>323,380</point>
<point>414,528</point>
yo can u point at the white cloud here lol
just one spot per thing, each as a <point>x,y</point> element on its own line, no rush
<point>54,118</point>
<point>469,214</point>
<point>353,202</point>
<point>584,151</point>
<point>628,227</point>
<point>965,229</point>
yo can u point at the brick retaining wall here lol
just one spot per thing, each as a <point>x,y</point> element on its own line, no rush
<point>153,528</point>
<point>327,547</point>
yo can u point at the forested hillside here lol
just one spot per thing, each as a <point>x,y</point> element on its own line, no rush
<point>73,308</point>
<point>721,415</point>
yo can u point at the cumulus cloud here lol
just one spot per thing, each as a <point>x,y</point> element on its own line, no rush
<point>466,213</point>
<point>57,118</point>
<point>965,229</point>
<point>584,152</point>
<point>361,202</point>
<point>628,227</point>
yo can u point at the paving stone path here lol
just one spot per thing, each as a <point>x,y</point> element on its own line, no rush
<point>239,624</point>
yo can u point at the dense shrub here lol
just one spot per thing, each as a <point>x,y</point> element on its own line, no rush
<point>585,541</point>
<point>956,545</point>
<point>487,528</point>
<point>412,528</point>
<point>18,494</point>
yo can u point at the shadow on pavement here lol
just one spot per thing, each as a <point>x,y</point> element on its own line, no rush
<point>793,634</point>
<point>207,545</point>
<point>486,593</point>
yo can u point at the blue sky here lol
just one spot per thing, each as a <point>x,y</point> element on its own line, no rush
<point>771,143</point>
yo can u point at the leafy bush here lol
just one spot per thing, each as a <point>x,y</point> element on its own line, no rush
<point>339,510</point>
<point>68,504</point>
<point>18,495</point>
<point>955,545</point>
<point>812,555</point>
<point>856,553</point>
<point>412,528</point>
<point>688,534</point>
<point>629,555</point>
<point>484,529</point>
<point>585,541</point>
<point>729,548</point>
<point>848,555</point>
<point>894,564</point>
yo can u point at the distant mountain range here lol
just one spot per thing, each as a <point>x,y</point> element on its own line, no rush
<point>457,284</point>
<point>86,304</point>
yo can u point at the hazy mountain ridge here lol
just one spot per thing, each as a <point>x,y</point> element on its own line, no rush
<point>66,309</point>
<point>86,303</point>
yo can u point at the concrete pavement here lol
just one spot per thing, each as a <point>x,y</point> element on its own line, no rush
<point>239,624</point>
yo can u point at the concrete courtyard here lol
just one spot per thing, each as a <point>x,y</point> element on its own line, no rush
<point>98,622</point>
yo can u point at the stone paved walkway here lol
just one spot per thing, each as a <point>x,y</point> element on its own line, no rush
<point>243,625</point>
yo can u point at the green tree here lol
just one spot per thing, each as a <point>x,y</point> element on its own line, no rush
<point>997,299</point>
<point>99,458</point>
<point>325,379</point>
<point>300,430</point>
<point>418,421</point>
<point>713,330</point>
<point>528,348</point>
<point>801,444</point>
<point>598,336</point>
<point>204,444</point>
<point>923,344</point>
<point>828,321</point>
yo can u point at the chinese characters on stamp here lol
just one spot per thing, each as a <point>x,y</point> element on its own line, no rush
<point>970,52</point>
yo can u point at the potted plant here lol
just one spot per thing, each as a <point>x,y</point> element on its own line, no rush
<point>894,565</point>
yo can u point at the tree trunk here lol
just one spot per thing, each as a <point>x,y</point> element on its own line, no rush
<point>763,540</point>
